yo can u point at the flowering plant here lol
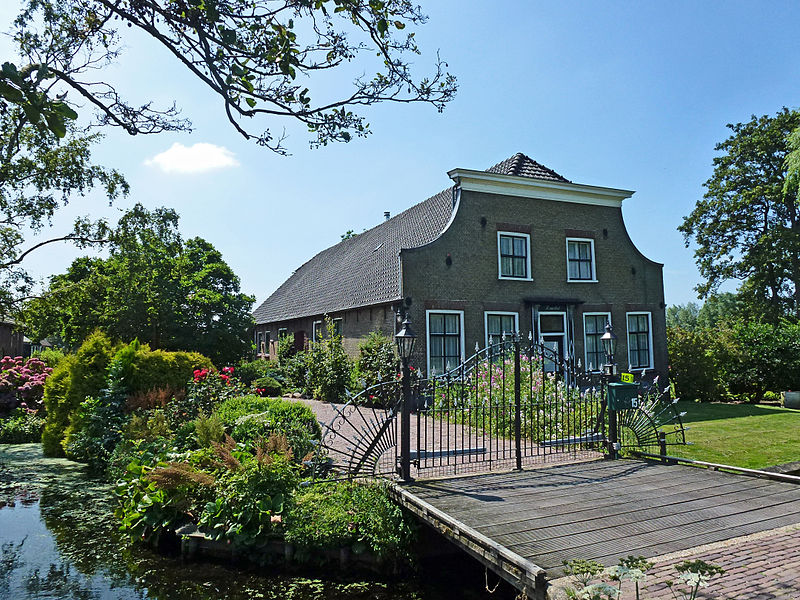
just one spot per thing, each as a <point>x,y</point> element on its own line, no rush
<point>22,381</point>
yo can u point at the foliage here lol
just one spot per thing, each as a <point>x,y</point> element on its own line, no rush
<point>286,348</point>
<point>296,369</point>
<point>252,55</point>
<point>747,226</point>
<point>23,380</point>
<point>349,514</point>
<point>485,400</point>
<point>208,430</point>
<point>250,499</point>
<point>207,389</point>
<point>376,360</point>
<point>250,418</point>
<point>328,366</point>
<point>268,386</point>
<point>147,426</point>
<point>693,575</point>
<point>45,163</point>
<point>593,580</point>
<point>51,357</point>
<point>693,366</point>
<point>155,287</point>
<point>76,378</point>
<point>97,426</point>
<point>21,426</point>
<point>683,315</point>
<point>248,372</point>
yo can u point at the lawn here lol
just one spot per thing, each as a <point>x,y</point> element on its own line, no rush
<point>744,435</point>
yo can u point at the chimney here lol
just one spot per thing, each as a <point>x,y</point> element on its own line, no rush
<point>386,215</point>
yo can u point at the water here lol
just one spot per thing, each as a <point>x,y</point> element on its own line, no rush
<point>58,539</point>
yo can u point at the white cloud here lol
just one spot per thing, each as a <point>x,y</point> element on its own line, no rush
<point>198,158</point>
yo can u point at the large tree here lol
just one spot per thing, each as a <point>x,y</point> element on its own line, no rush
<point>747,226</point>
<point>263,58</point>
<point>154,286</point>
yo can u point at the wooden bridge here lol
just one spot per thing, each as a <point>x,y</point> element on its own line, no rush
<point>523,524</point>
<point>508,457</point>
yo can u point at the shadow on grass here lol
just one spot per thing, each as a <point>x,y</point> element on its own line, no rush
<point>704,411</point>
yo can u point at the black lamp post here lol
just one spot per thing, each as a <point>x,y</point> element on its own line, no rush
<point>609,341</point>
<point>405,339</point>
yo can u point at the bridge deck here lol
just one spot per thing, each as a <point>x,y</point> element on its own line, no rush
<point>603,510</point>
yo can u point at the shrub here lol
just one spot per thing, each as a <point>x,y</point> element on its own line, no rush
<point>248,372</point>
<point>249,500</point>
<point>250,418</point>
<point>76,378</point>
<point>21,427</point>
<point>295,368</point>
<point>267,386</point>
<point>377,361</point>
<point>693,368</point>
<point>204,393</point>
<point>208,430</point>
<point>347,514</point>
<point>286,348</point>
<point>50,356</point>
<point>159,369</point>
<point>328,367</point>
<point>22,381</point>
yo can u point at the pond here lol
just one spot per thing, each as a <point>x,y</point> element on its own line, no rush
<point>59,539</point>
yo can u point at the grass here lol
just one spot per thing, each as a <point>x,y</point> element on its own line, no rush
<point>743,435</point>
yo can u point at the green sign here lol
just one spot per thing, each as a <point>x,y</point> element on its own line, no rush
<point>623,396</point>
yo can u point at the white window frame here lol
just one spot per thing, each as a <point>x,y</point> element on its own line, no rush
<point>314,330</point>
<point>594,262</point>
<point>460,313</point>
<point>498,312</point>
<point>598,368</point>
<point>527,237</point>
<point>649,341</point>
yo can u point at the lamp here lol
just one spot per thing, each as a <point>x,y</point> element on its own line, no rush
<point>609,341</point>
<point>405,339</point>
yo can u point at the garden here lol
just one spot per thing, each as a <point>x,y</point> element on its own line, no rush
<point>216,450</point>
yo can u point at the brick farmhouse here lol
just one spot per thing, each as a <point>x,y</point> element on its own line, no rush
<point>514,248</point>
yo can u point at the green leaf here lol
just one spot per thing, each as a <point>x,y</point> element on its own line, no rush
<point>250,102</point>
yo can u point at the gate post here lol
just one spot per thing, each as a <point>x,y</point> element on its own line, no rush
<point>405,426</point>
<point>517,403</point>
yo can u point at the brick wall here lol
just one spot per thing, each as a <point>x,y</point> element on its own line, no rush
<point>459,270</point>
<point>356,325</point>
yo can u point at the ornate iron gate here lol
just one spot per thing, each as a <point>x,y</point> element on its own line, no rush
<point>511,404</point>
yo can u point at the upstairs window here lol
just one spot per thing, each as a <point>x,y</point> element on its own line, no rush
<point>640,341</point>
<point>580,260</point>
<point>513,254</point>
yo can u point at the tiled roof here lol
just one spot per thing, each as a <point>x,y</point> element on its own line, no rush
<point>524,166</point>
<point>359,271</point>
<point>365,270</point>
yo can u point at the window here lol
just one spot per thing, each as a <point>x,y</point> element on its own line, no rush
<point>498,323</point>
<point>337,327</point>
<point>580,260</point>
<point>640,341</point>
<point>513,255</point>
<point>445,340</point>
<point>282,332</point>
<point>594,326</point>
<point>259,342</point>
<point>317,331</point>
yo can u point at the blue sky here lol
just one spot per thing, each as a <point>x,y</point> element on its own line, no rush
<point>622,94</point>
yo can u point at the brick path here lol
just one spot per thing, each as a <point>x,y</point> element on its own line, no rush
<point>762,566</point>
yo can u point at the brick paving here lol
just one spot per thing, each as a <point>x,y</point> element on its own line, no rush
<point>762,566</point>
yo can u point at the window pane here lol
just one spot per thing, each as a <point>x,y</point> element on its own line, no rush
<point>506,266</point>
<point>584,250</point>
<point>519,247</point>
<point>520,267</point>
<point>507,322</point>
<point>585,271</point>
<point>436,323</point>
<point>551,323</point>
<point>572,251</point>
<point>505,244</point>
<point>573,270</point>
<point>452,323</point>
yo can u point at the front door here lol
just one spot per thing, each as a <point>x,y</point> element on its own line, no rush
<point>552,328</point>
